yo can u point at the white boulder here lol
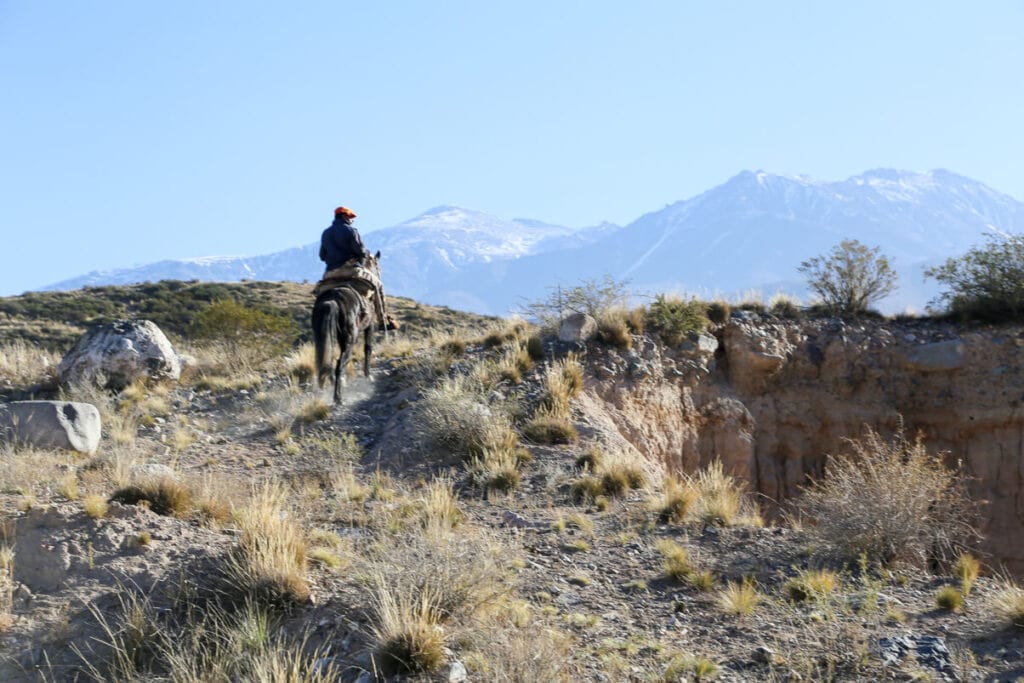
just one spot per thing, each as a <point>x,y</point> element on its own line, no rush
<point>51,425</point>
<point>578,327</point>
<point>114,355</point>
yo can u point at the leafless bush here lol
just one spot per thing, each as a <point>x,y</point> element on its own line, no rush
<point>890,501</point>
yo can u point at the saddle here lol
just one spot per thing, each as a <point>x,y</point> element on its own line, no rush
<point>363,280</point>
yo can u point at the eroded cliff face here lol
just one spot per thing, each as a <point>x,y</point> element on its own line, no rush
<point>773,398</point>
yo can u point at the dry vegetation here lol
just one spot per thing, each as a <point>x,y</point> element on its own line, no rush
<point>281,539</point>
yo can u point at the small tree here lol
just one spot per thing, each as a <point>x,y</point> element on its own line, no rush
<point>986,282</point>
<point>591,296</point>
<point>850,278</point>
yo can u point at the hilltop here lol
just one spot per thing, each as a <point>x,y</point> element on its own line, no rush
<point>55,320</point>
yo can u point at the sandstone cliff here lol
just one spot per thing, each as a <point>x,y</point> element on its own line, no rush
<point>771,398</point>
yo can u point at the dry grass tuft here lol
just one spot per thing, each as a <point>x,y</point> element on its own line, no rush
<point>676,560</point>
<point>269,562</point>
<point>613,328</point>
<point>949,598</point>
<point>455,415</point>
<point>23,365</point>
<point>164,496</point>
<point>967,569</point>
<point>95,505</point>
<point>440,508</point>
<point>547,427</point>
<point>6,584</point>
<point>739,598</point>
<point>891,501</point>
<point>683,667</point>
<point>408,637</point>
<point>812,585</point>
<point>1009,603</point>
<point>676,500</point>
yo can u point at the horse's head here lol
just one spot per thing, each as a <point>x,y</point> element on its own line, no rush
<point>373,263</point>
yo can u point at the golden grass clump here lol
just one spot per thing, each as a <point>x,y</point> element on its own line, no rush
<point>24,365</point>
<point>408,637</point>
<point>6,584</point>
<point>675,560</point>
<point>889,500</point>
<point>739,598</point>
<point>496,469</point>
<point>439,505</point>
<point>301,363</point>
<point>314,409</point>
<point>548,427</point>
<point>967,569</point>
<point>613,328</point>
<point>95,505</point>
<point>1008,604</point>
<point>269,562</point>
<point>811,585</point>
<point>719,496</point>
<point>675,501</point>
<point>164,496</point>
<point>949,598</point>
<point>683,667</point>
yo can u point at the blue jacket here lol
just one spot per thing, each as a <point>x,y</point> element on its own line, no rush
<point>341,243</point>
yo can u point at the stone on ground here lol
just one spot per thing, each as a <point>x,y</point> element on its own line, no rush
<point>51,425</point>
<point>114,355</point>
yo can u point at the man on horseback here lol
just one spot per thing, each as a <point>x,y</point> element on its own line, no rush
<point>340,242</point>
<point>348,261</point>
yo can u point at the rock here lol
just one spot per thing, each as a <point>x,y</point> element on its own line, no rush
<point>116,354</point>
<point>152,470</point>
<point>51,425</point>
<point>928,651</point>
<point>578,327</point>
<point>457,672</point>
<point>936,357</point>
<point>517,521</point>
<point>700,344</point>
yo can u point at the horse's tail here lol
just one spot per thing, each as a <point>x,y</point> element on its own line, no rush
<point>325,336</point>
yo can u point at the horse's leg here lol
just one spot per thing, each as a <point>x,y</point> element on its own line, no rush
<point>346,341</point>
<point>367,349</point>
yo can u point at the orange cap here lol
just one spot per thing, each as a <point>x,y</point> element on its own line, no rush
<point>345,211</point>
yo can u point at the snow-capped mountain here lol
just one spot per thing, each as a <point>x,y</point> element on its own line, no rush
<point>752,232</point>
<point>749,233</point>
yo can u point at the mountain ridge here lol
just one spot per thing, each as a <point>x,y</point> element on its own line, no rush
<point>750,232</point>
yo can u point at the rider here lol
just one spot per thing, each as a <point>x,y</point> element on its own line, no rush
<point>341,242</point>
<point>342,249</point>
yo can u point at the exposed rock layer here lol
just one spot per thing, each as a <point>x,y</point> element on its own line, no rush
<point>777,396</point>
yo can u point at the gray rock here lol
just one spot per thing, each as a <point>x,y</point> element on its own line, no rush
<point>116,354</point>
<point>51,425</point>
<point>578,327</point>
<point>457,672</point>
<point>943,356</point>
<point>152,470</point>
<point>928,651</point>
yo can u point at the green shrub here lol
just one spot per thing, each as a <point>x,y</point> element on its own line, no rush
<point>675,318</point>
<point>244,331</point>
<point>850,278</point>
<point>987,282</point>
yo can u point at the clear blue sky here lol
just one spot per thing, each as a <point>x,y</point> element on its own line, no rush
<point>137,131</point>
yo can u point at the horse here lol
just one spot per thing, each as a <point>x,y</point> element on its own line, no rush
<point>340,314</point>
